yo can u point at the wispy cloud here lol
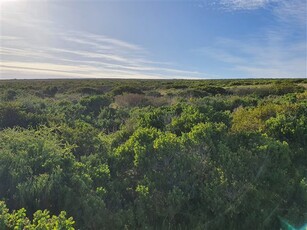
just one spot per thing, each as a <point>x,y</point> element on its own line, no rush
<point>282,8</point>
<point>40,48</point>
<point>293,12</point>
<point>34,46</point>
<point>260,59</point>
<point>246,4</point>
<point>275,51</point>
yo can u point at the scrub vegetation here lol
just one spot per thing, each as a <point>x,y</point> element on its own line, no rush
<point>153,154</point>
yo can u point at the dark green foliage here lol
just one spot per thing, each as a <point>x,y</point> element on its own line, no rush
<point>50,91</point>
<point>204,91</point>
<point>87,90</point>
<point>81,135</point>
<point>126,89</point>
<point>284,88</point>
<point>10,95</point>
<point>136,154</point>
<point>38,161</point>
<point>278,88</point>
<point>154,117</point>
<point>93,104</point>
<point>13,114</point>
<point>110,119</point>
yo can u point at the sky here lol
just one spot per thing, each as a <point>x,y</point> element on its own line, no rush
<point>193,39</point>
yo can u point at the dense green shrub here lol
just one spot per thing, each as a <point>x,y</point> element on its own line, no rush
<point>41,220</point>
<point>285,88</point>
<point>13,115</point>
<point>93,104</point>
<point>214,154</point>
<point>50,91</point>
<point>87,90</point>
<point>204,91</point>
<point>9,95</point>
<point>126,89</point>
<point>109,119</point>
<point>39,163</point>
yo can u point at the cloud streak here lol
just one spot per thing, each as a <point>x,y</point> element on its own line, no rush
<point>42,48</point>
<point>237,5</point>
<point>286,10</point>
<point>292,12</point>
<point>245,4</point>
<point>274,51</point>
<point>260,60</point>
<point>30,48</point>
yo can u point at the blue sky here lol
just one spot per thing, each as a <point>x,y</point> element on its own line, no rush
<point>153,39</point>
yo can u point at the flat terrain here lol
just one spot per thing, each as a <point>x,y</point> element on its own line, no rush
<point>153,154</point>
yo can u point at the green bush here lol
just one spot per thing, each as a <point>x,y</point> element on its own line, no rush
<point>126,89</point>
<point>197,155</point>
<point>15,115</point>
<point>41,220</point>
<point>50,91</point>
<point>93,104</point>
<point>10,95</point>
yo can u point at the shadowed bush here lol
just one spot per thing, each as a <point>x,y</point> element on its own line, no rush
<point>126,89</point>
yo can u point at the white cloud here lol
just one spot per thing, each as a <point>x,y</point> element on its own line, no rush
<point>292,12</point>
<point>31,48</point>
<point>104,58</point>
<point>267,58</point>
<point>287,11</point>
<point>278,50</point>
<point>246,4</point>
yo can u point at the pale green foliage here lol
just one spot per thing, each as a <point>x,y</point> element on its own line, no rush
<point>42,220</point>
<point>253,119</point>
